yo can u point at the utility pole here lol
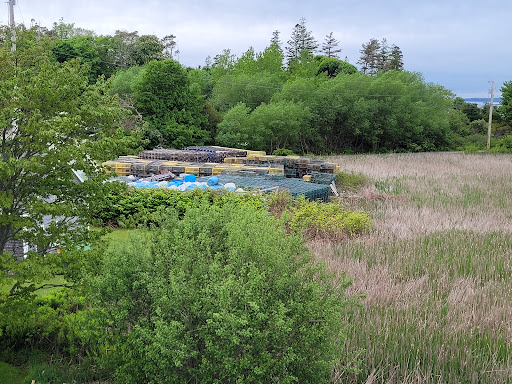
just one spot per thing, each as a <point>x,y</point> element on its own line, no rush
<point>490,118</point>
<point>12,25</point>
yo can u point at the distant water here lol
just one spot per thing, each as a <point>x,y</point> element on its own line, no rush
<point>480,101</point>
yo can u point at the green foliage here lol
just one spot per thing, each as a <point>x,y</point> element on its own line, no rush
<point>198,300</point>
<point>283,152</point>
<point>51,122</point>
<point>10,374</point>
<point>327,220</point>
<point>392,111</point>
<point>280,124</point>
<point>505,109</point>
<point>129,208</point>
<point>478,126</point>
<point>167,102</point>
<point>124,81</point>
<point>83,48</point>
<point>268,127</point>
<point>332,66</point>
<point>459,122</point>
<point>234,130</point>
<point>214,118</point>
<point>252,89</point>
<point>350,181</point>
<point>145,49</point>
<point>502,145</point>
<point>48,323</point>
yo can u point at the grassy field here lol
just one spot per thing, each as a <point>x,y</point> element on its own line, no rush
<point>436,269</point>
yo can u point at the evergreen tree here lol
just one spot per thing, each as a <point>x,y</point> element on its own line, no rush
<point>169,44</point>
<point>301,40</point>
<point>369,58</point>
<point>208,62</point>
<point>170,106</point>
<point>396,59</point>
<point>383,56</point>
<point>329,46</point>
<point>276,40</point>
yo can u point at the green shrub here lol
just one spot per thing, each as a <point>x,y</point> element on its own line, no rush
<point>48,323</point>
<point>502,145</point>
<point>283,152</point>
<point>221,295</point>
<point>327,220</point>
<point>128,207</point>
<point>133,207</point>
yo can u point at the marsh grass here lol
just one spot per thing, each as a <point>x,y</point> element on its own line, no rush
<point>436,269</point>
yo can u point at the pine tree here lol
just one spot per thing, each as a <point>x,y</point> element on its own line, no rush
<point>301,40</point>
<point>369,58</point>
<point>396,59</point>
<point>328,48</point>
<point>276,40</point>
<point>169,43</point>
<point>383,56</point>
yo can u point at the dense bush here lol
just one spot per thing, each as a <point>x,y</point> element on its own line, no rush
<point>46,323</point>
<point>219,296</point>
<point>283,152</point>
<point>327,220</point>
<point>128,207</point>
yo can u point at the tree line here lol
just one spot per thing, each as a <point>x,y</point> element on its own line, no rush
<point>377,108</point>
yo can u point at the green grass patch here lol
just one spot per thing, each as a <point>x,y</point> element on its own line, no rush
<point>351,181</point>
<point>57,280</point>
<point>10,374</point>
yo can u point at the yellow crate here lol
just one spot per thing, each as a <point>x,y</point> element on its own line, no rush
<point>109,163</point>
<point>269,158</point>
<point>276,171</point>
<point>122,166</point>
<point>254,155</point>
<point>192,170</point>
<point>306,177</point>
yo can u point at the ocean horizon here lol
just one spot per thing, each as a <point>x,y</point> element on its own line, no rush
<point>480,101</point>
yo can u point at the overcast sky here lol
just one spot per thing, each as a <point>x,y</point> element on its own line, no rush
<point>460,44</point>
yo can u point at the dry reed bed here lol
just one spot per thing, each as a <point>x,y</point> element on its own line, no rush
<point>436,269</point>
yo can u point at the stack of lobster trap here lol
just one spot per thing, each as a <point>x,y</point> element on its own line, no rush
<point>204,161</point>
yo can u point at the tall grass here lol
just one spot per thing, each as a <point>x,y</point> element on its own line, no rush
<point>436,269</point>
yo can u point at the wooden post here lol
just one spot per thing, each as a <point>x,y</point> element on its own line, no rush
<point>12,25</point>
<point>490,118</point>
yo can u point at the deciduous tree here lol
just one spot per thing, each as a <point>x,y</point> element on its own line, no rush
<point>506,102</point>
<point>51,122</point>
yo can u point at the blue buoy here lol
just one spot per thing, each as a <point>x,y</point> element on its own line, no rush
<point>214,180</point>
<point>189,178</point>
